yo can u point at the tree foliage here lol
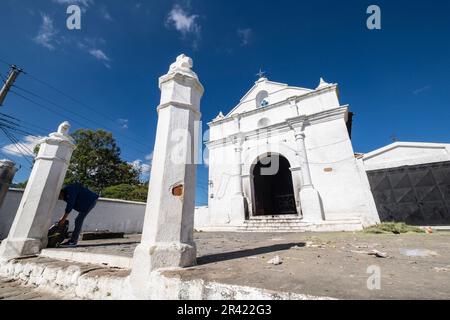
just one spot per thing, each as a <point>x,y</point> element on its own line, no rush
<point>96,162</point>
<point>127,192</point>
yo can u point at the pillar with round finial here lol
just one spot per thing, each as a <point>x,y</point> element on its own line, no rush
<point>28,233</point>
<point>167,238</point>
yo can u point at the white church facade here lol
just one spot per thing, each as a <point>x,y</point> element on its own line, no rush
<point>284,155</point>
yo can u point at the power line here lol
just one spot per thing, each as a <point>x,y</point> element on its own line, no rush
<point>3,78</point>
<point>61,115</point>
<point>5,62</point>
<point>22,146</point>
<point>43,131</point>
<point>68,96</point>
<point>9,123</point>
<point>76,114</point>
<point>16,145</point>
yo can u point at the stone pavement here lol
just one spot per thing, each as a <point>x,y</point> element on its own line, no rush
<point>318,264</point>
<point>14,290</point>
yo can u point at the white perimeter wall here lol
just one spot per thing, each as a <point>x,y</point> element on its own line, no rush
<point>112,215</point>
<point>401,154</point>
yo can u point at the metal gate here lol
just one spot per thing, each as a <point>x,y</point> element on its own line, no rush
<point>417,195</point>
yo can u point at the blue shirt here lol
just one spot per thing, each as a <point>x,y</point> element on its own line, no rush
<point>79,198</point>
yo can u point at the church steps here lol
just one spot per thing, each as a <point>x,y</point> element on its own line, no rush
<point>297,225</point>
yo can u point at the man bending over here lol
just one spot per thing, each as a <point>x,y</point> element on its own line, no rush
<point>80,199</point>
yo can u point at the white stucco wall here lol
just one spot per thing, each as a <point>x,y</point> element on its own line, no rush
<point>334,171</point>
<point>112,215</point>
<point>401,154</point>
<point>202,218</point>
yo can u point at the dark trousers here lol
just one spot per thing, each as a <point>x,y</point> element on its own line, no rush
<point>79,220</point>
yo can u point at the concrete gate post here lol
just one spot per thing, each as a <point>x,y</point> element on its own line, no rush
<point>167,239</point>
<point>7,172</point>
<point>28,233</point>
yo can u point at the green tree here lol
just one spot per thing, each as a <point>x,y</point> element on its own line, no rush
<point>20,185</point>
<point>127,192</point>
<point>96,162</point>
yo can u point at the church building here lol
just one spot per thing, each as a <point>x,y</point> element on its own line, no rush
<point>283,160</point>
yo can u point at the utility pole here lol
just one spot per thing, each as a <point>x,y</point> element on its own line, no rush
<point>13,74</point>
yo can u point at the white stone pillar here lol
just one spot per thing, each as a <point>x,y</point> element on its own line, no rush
<point>7,171</point>
<point>28,233</point>
<point>167,239</point>
<point>237,201</point>
<point>309,197</point>
<point>301,147</point>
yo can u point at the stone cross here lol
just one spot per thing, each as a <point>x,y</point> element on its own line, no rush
<point>167,239</point>
<point>28,233</point>
<point>261,74</point>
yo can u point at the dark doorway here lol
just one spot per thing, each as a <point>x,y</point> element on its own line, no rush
<point>274,192</point>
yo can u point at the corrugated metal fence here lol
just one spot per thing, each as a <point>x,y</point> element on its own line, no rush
<point>417,195</point>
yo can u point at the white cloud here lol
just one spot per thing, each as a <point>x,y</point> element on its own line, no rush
<point>47,33</point>
<point>100,55</point>
<point>90,46</point>
<point>84,3</point>
<point>143,167</point>
<point>185,23</point>
<point>182,21</point>
<point>149,157</point>
<point>245,36</point>
<point>421,90</point>
<point>28,143</point>
<point>123,123</point>
<point>105,14</point>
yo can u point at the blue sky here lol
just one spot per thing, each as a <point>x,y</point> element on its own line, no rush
<point>396,79</point>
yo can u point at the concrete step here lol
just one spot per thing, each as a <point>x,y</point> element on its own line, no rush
<point>284,224</point>
<point>273,225</point>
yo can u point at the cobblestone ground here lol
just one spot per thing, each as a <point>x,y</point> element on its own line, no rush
<point>13,290</point>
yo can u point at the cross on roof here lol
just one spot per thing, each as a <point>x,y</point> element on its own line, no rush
<point>261,74</point>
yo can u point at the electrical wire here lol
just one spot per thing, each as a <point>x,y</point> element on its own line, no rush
<point>70,97</point>
<point>76,114</point>
<point>61,115</point>
<point>3,78</point>
<point>17,146</point>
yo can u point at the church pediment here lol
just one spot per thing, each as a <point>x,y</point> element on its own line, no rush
<point>265,93</point>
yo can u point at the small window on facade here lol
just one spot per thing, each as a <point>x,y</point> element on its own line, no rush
<point>262,99</point>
